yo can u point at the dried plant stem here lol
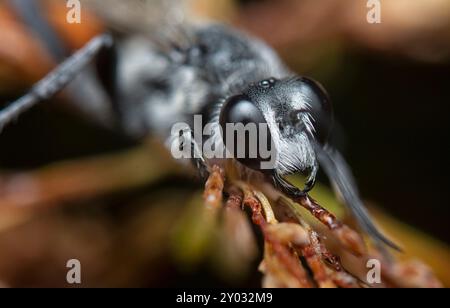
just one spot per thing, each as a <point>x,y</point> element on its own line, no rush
<point>326,268</point>
<point>235,198</point>
<point>285,242</point>
<point>313,257</point>
<point>267,208</point>
<point>214,188</point>
<point>289,239</point>
<point>334,270</point>
<point>281,263</point>
<point>348,237</point>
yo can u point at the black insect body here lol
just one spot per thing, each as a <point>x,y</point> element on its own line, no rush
<point>228,77</point>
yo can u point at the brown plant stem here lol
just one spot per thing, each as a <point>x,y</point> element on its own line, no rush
<point>348,237</point>
<point>274,248</point>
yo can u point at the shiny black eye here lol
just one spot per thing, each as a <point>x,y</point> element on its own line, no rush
<point>245,145</point>
<point>240,109</point>
<point>321,108</point>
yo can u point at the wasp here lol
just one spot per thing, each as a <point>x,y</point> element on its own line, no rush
<point>213,70</point>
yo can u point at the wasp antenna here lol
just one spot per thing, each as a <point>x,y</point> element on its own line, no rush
<point>340,175</point>
<point>31,14</point>
<point>56,80</point>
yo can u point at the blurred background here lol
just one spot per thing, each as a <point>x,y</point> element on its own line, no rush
<point>70,188</point>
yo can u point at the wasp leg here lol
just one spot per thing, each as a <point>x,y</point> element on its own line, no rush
<point>56,80</point>
<point>199,161</point>
<point>182,142</point>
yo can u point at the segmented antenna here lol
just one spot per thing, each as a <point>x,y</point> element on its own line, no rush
<point>56,80</point>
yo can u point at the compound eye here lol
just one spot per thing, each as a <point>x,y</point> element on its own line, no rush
<point>245,144</point>
<point>240,109</point>
<point>321,108</point>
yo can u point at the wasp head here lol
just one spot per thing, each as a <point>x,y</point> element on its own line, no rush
<point>297,113</point>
